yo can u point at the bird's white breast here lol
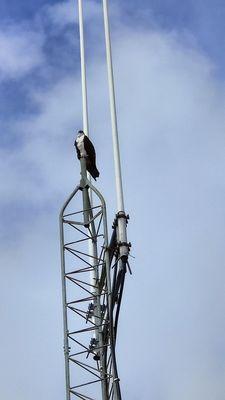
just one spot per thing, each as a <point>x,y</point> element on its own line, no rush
<point>80,146</point>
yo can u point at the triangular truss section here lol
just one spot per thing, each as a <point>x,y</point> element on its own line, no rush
<point>91,302</point>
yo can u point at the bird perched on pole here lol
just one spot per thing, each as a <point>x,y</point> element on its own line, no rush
<point>86,149</point>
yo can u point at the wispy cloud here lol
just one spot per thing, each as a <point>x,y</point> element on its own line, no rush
<point>65,13</point>
<point>21,51</point>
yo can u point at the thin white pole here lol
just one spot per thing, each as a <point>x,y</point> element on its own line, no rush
<point>116,151</point>
<point>122,221</point>
<point>83,77</point>
<point>92,249</point>
<point>83,70</point>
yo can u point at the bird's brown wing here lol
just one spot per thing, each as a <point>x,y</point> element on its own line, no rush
<point>91,160</point>
<point>89,149</point>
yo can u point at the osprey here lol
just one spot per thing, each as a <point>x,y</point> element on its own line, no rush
<point>86,149</point>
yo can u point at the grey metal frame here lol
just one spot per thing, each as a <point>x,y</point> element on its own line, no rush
<point>90,312</point>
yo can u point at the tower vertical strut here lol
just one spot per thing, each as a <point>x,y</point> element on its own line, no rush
<point>92,268</point>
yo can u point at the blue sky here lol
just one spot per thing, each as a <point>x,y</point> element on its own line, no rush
<point>204,21</point>
<point>169,63</point>
<point>203,18</point>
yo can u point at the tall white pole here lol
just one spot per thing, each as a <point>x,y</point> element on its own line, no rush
<point>122,232</point>
<point>83,70</point>
<point>116,151</point>
<point>92,245</point>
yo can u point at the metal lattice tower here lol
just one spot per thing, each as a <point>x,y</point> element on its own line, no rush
<point>93,269</point>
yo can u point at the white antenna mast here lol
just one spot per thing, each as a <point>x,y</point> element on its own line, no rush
<point>91,244</point>
<point>122,218</point>
<point>83,70</point>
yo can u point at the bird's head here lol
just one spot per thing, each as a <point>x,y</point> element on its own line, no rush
<point>80,133</point>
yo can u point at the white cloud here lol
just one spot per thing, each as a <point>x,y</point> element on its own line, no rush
<point>21,51</point>
<point>65,13</point>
